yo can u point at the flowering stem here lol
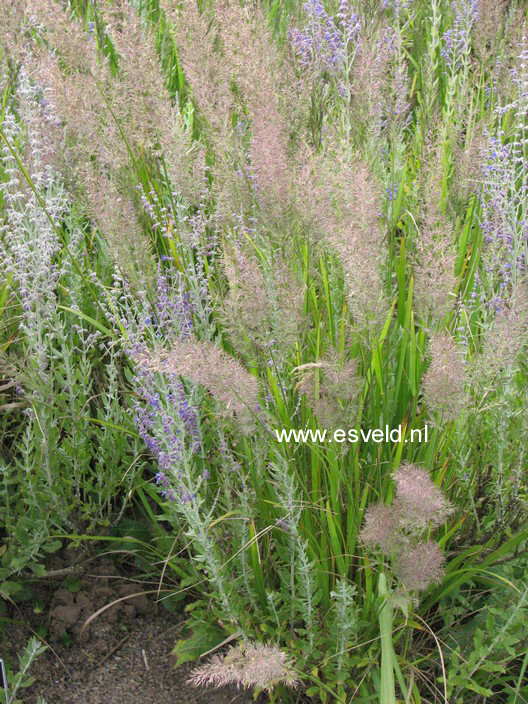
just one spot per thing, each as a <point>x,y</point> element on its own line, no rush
<point>387,693</point>
<point>51,221</point>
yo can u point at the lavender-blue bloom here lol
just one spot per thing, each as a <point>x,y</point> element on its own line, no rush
<point>457,39</point>
<point>170,430</point>
<point>395,5</point>
<point>324,42</point>
<point>392,191</point>
<point>504,196</point>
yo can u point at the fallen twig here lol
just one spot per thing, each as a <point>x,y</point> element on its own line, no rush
<point>110,653</point>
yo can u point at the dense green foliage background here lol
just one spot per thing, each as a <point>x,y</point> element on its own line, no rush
<point>218,221</point>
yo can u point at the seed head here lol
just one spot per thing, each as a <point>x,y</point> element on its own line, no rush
<point>382,528</point>
<point>254,63</point>
<point>443,383</point>
<point>419,502</point>
<point>420,565</point>
<point>117,219</point>
<point>507,335</point>
<point>341,196</point>
<point>264,311</point>
<point>334,402</point>
<point>247,665</point>
<point>486,28</point>
<point>435,273</point>
<point>246,307</point>
<point>207,365</point>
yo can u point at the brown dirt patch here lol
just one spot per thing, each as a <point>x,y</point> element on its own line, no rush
<point>123,657</point>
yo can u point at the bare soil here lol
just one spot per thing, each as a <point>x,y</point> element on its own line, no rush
<point>122,657</point>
